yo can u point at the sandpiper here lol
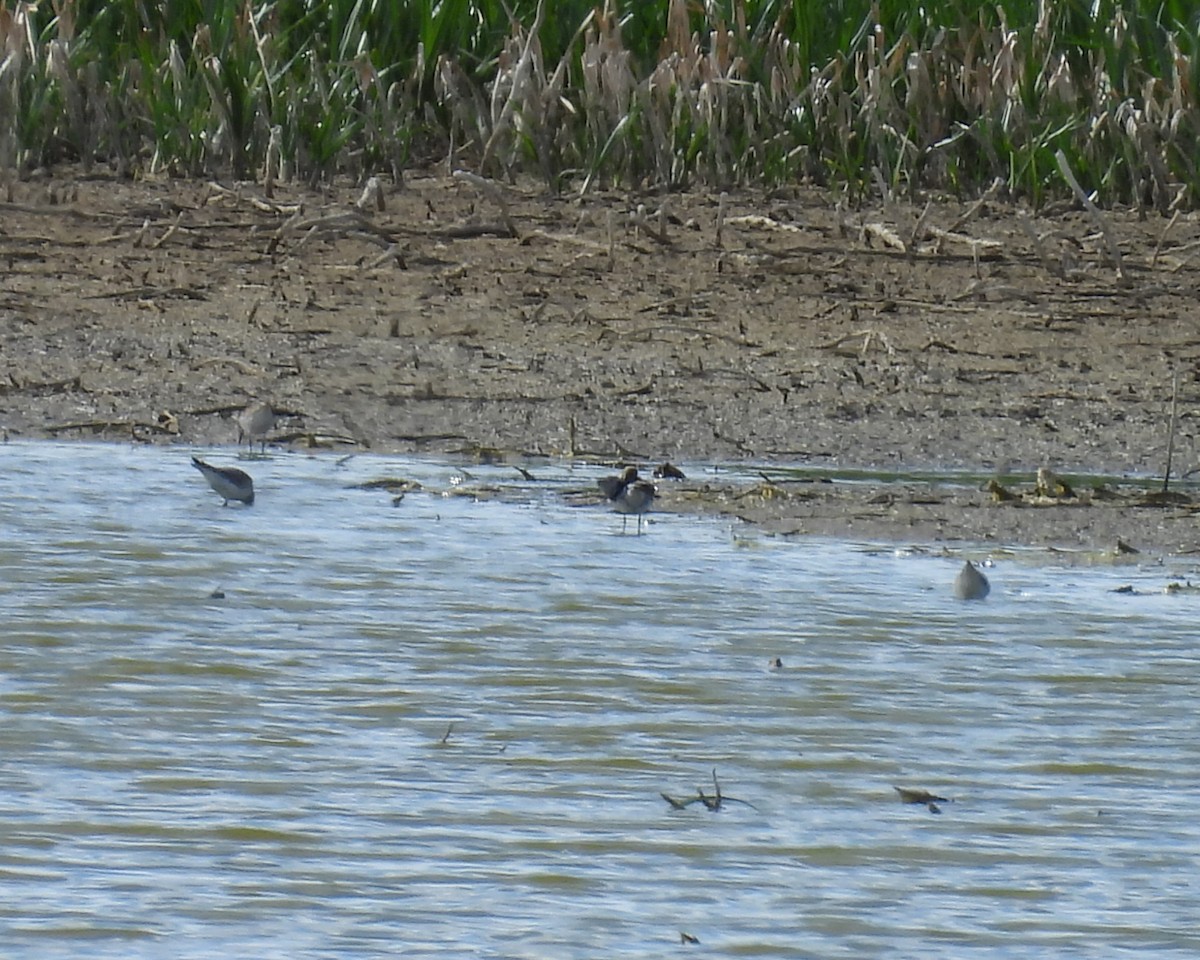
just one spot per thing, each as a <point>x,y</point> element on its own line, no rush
<point>257,420</point>
<point>628,494</point>
<point>970,584</point>
<point>230,482</point>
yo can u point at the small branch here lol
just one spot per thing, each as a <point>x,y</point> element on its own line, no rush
<point>712,802</point>
<point>490,190</point>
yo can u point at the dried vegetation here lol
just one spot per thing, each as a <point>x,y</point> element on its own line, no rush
<point>899,97</point>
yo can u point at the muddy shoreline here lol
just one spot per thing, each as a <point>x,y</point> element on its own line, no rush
<point>774,329</point>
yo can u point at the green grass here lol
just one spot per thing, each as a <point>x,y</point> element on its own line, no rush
<point>669,94</point>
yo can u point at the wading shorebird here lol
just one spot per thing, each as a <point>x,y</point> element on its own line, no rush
<point>230,482</point>
<point>257,420</point>
<point>628,494</point>
<point>970,584</point>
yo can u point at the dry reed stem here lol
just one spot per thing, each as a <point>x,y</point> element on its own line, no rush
<point>642,222</point>
<point>919,227</point>
<point>371,196</point>
<point>973,210</point>
<point>520,79</point>
<point>1052,268</point>
<point>976,244</point>
<point>394,252</point>
<point>1163,236</point>
<point>1114,251</point>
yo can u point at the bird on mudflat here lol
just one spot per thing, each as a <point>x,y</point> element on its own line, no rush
<point>629,494</point>
<point>970,584</point>
<point>257,420</point>
<point>229,482</point>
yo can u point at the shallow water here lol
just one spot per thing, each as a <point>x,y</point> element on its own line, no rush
<point>442,727</point>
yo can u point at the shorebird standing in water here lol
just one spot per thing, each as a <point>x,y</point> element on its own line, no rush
<point>970,584</point>
<point>257,420</point>
<point>230,482</point>
<point>628,494</point>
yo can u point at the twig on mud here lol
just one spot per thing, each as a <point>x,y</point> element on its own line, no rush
<point>685,301</point>
<point>348,223</point>
<point>949,348</point>
<point>489,188</point>
<point>102,426</point>
<point>1114,251</point>
<point>946,236</point>
<point>266,206</point>
<point>394,252</point>
<point>1163,236</point>
<point>1188,248</point>
<point>763,223</point>
<point>242,365</point>
<point>763,386</point>
<point>919,227</point>
<point>571,238</point>
<point>151,293</point>
<point>170,232</point>
<point>983,289</point>
<point>971,211</point>
<point>695,331</point>
<point>53,386</point>
<point>888,236</point>
<point>465,231</point>
<point>868,336</point>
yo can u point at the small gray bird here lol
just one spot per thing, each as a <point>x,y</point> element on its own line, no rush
<point>229,482</point>
<point>255,422</point>
<point>970,584</point>
<point>628,494</point>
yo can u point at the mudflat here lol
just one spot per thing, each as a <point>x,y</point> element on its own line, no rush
<point>911,365</point>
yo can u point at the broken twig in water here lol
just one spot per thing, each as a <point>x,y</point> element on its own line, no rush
<point>924,797</point>
<point>712,802</point>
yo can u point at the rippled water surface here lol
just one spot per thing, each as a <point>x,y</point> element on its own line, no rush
<point>442,728</point>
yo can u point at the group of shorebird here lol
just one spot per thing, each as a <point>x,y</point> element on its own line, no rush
<point>627,492</point>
